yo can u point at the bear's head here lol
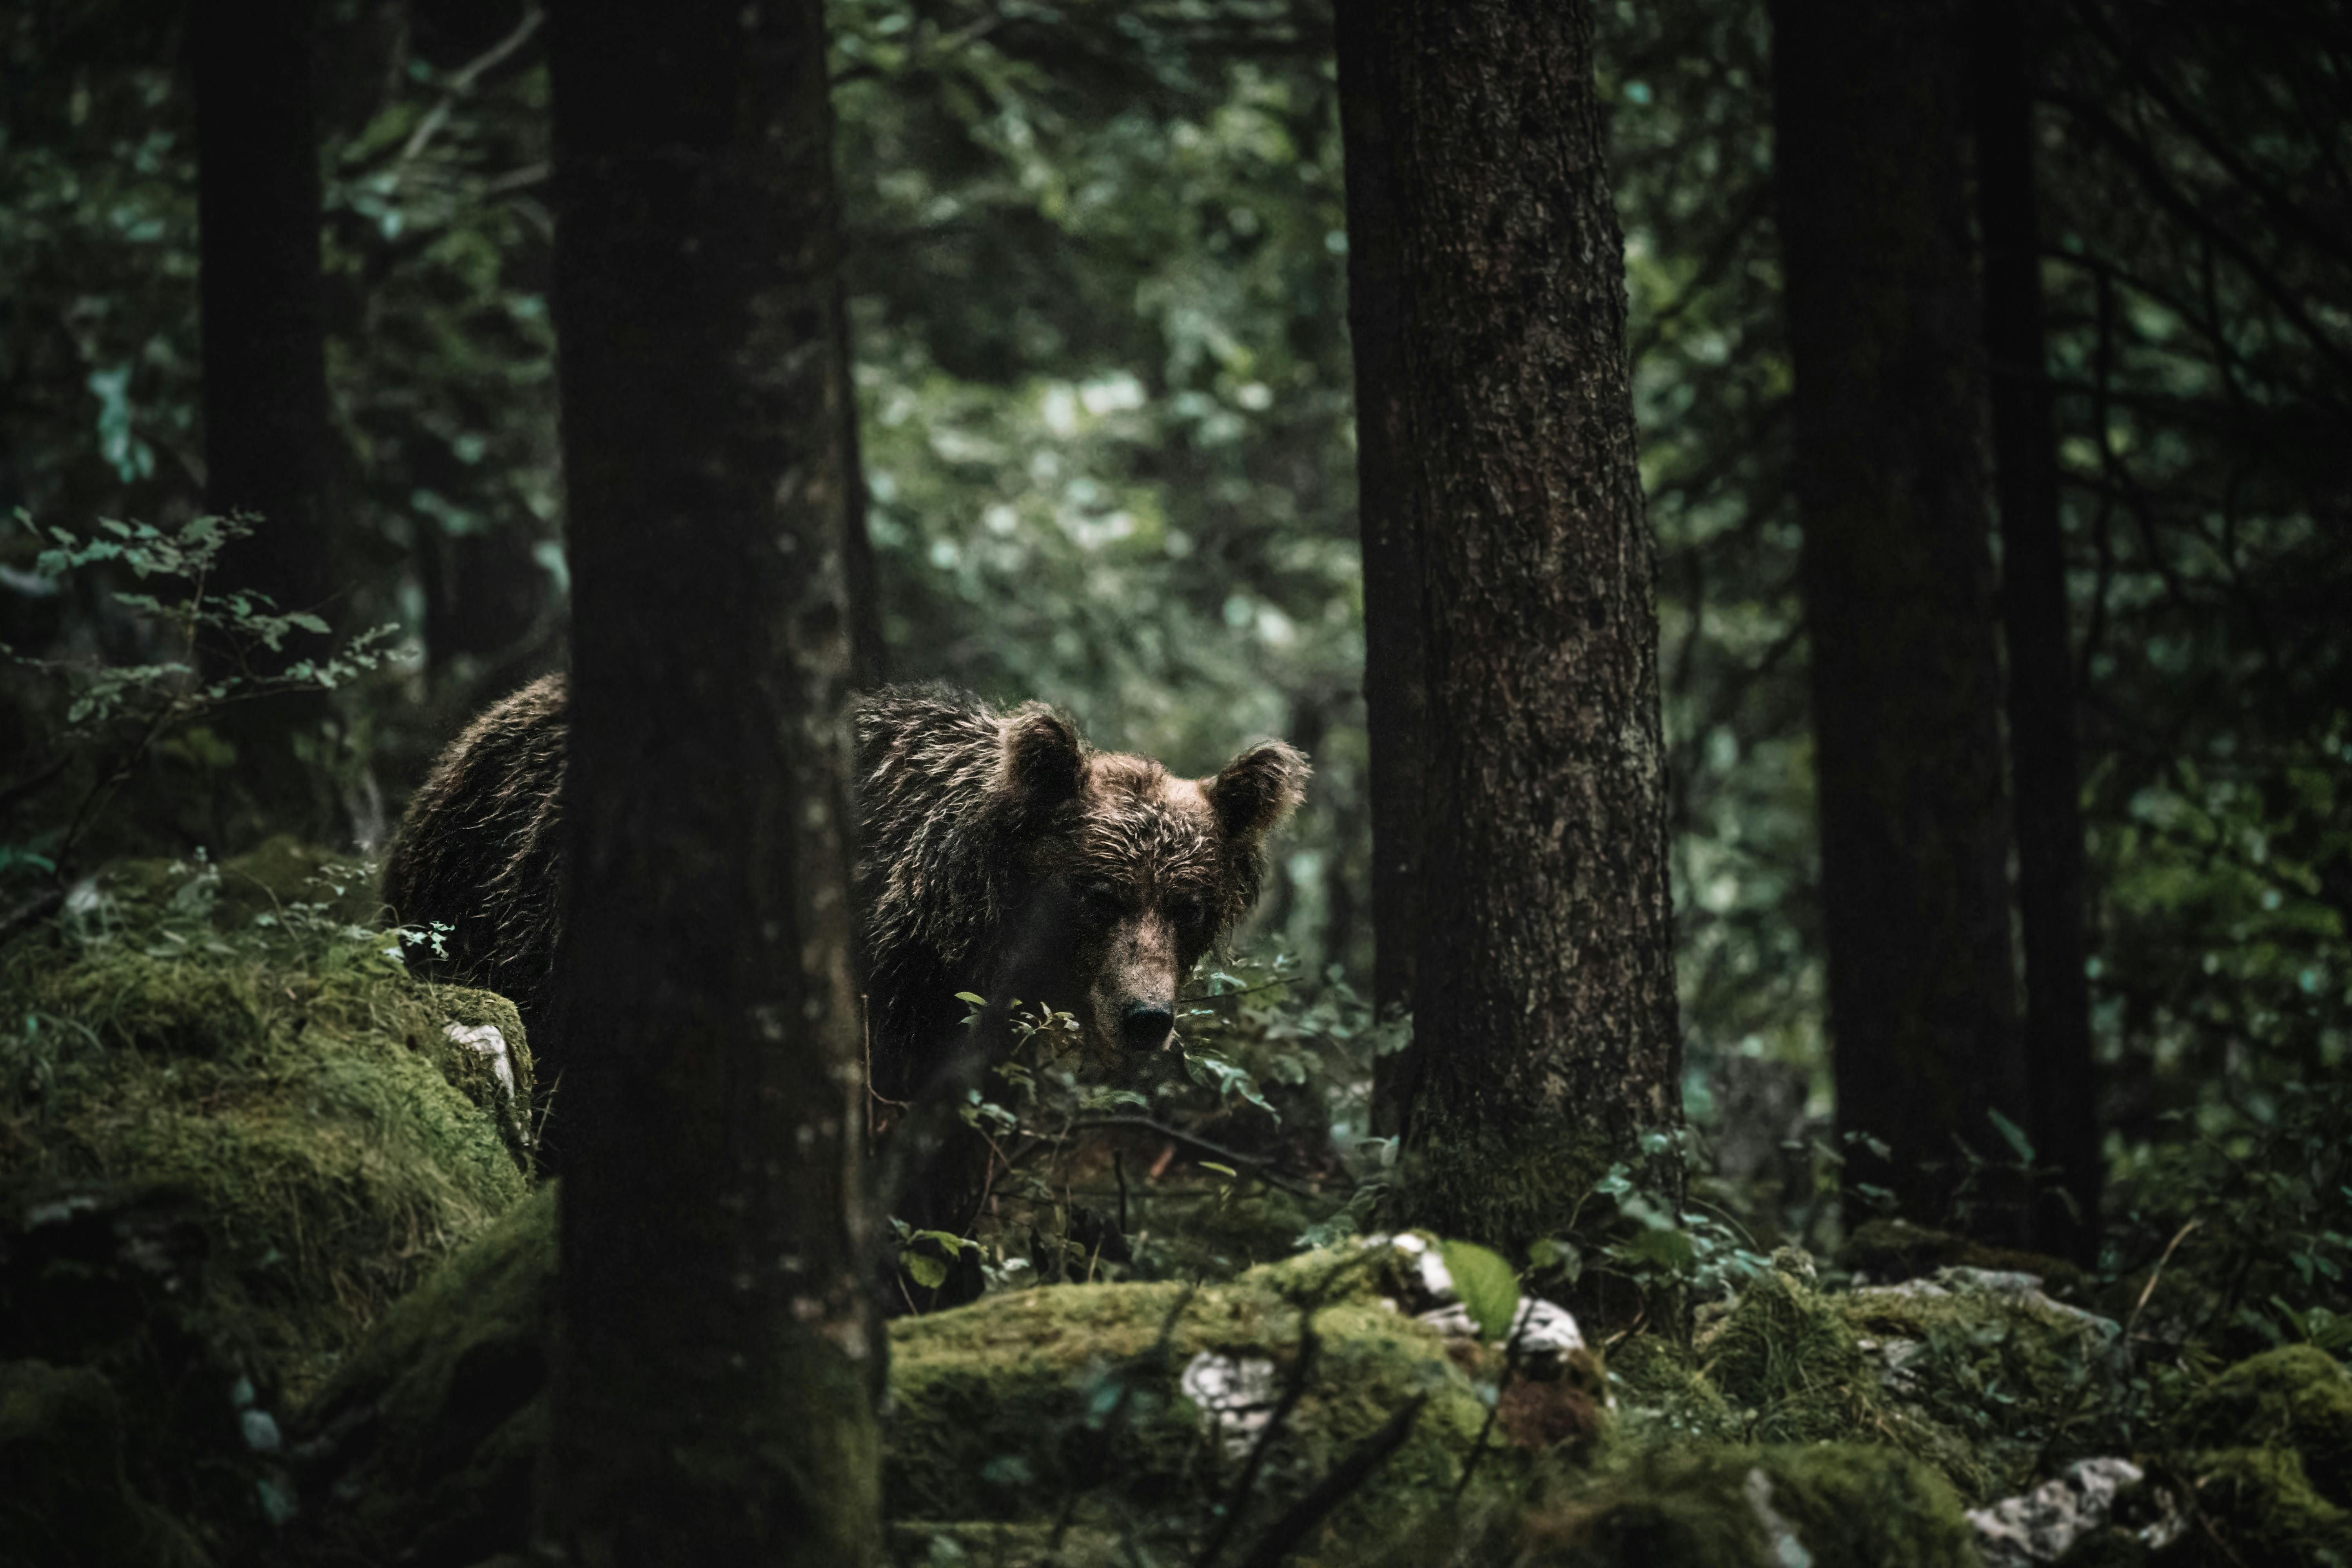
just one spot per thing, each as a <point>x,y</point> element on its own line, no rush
<point>1129,872</point>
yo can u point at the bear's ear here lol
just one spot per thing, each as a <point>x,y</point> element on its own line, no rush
<point>1257,790</point>
<point>1044,758</point>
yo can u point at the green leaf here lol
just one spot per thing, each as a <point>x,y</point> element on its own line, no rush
<point>929,1271</point>
<point>2015,1134</point>
<point>1489,1291</point>
<point>972,998</point>
<point>1221,1170</point>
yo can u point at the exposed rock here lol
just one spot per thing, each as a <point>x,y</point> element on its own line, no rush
<point>2044,1524</point>
<point>1236,1395</point>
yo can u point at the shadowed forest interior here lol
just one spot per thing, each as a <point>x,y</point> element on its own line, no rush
<point>1784,995</point>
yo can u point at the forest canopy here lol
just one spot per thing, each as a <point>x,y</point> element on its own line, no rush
<point>1095,269</point>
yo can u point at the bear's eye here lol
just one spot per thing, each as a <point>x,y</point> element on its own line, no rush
<point>1097,894</point>
<point>1188,914</point>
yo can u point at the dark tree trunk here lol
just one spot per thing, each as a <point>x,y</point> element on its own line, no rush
<point>1395,683</point>
<point>869,654</point>
<point>718,1351</point>
<point>1895,575</point>
<point>2042,753</point>
<point>1543,980</point>
<point>269,442</point>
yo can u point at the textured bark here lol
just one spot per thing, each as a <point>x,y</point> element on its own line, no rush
<point>869,654</point>
<point>1395,682</point>
<point>1895,575</point>
<point>2043,756</point>
<point>718,1352</point>
<point>269,444</point>
<point>1543,986</point>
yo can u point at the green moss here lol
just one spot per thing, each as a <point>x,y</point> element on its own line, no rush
<point>2012,1375</point>
<point>1663,1397</point>
<point>1830,1505</point>
<point>1893,1249</point>
<point>2298,1398</point>
<point>1789,1359</point>
<point>1004,1409</point>
<point>2266,1504</point>
<point>1001,1412</point>
<point>1791,1364</point>
<point>1507,1192</point>
<point>284,874</point>
<point>288,1075</point>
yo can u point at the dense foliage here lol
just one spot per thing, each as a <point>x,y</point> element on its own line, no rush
<point>1098,265</point>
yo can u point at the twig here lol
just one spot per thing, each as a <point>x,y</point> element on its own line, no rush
<point>2154,1274</point>
<point>1264,1170</point>
<point>1301,1372</point>
<point>1334,1488</point>
<point>462,81</point>
<point>1237,1496</point>
<point>1116,1417</point>
<point>1521,1318</point>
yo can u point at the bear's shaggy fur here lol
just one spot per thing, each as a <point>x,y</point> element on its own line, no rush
<point>998,854</point>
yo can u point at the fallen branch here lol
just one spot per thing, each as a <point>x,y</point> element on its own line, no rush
<point>1262,1169</point>
<point>1335,1489</point>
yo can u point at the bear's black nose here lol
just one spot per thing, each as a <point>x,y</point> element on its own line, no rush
<point>1146,1025</point>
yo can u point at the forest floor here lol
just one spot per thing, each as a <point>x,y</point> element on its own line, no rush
<point>274,1282</point>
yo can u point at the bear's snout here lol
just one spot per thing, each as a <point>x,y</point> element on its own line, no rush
<point>1146,1025</point>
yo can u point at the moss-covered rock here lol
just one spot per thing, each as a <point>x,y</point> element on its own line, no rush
<point>2265,1506</point>
<point>422,1445</point>
<point>1882,1251</point>
<point>1114,1410</point>
<point>1987,1355</point>
<point>2296,1397</point>
<point>1789,1360</point>
<point>337,1125</point>
<point>1005,1409</point>
<point>1829,1505</point>
<point>2274,1480</point>
<point>1663,1397</point>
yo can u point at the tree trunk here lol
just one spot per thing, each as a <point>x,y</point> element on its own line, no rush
<point>1396,691</point>
<point>268,443</point>
<point>1895,575</point>
<point>2064,1077</point>
<point>718,1351</point>
<point>869,654</point>
<point>1500,422</point>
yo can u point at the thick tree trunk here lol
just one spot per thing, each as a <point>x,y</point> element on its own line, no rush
<point>869,653</point>
<point>718,1351</point>
<point>1543,983</point>
<point>269,442</point>
<point>1395,682</point>
<point>2063,1075</point>
<point>1895,574</point>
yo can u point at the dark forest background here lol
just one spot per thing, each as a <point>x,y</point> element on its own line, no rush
<point>1993,439</point>
<point>1098,265</point>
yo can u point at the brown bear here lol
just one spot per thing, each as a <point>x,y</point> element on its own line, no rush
<point>998,854</point>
